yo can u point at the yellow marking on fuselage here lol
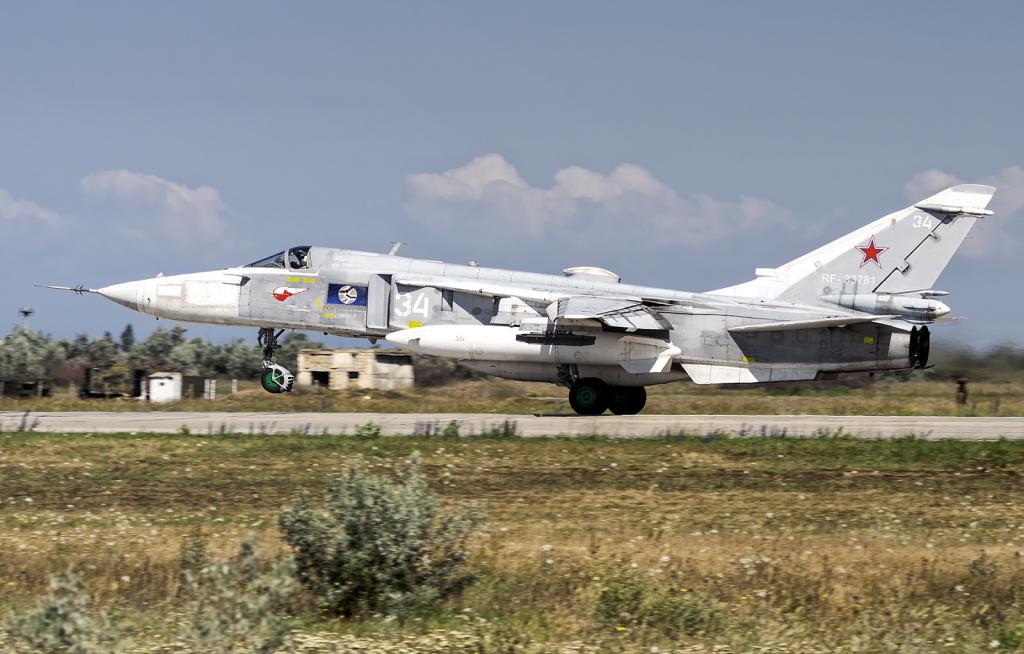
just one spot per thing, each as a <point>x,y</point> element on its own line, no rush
<point>415,323</point>
<point>320,308</point>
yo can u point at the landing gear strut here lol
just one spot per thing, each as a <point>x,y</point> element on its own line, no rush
<point>590,397</point>
<point>274,378</point>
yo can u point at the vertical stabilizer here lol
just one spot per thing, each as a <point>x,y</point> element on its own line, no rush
<point>902,252</point>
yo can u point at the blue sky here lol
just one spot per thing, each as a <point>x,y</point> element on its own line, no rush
<point>138,138</point>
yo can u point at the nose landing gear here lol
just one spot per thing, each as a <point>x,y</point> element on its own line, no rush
<point>275,378</point>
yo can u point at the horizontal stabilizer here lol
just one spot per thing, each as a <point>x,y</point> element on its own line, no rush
<point>816,323</point>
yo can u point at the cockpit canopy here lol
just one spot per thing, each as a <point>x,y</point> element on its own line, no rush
<point>296,258</point>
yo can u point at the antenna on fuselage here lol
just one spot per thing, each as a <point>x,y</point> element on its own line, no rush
<point>395,246</point>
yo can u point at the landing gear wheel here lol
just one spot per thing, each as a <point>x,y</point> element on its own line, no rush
<point>626,400</point>
<point>275,378</point>
<point>588,397</point>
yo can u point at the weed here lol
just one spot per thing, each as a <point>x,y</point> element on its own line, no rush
<point>193,556</point>
<point>628,600</point>
<point>368,430</point>
<point>27,426</point>
<point>504,429</point>
<point>451,430</point>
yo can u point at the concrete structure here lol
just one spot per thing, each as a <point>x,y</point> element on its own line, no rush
<point>364,368</point>
<point>165,387</point>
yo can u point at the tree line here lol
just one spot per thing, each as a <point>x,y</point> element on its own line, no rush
<point>27,355</point>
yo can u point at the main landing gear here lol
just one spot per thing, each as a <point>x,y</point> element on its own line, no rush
<point>591,397</point>
<point>274,378</point>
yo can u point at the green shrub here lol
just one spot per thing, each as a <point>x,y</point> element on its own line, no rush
<point>379,545</point>
<point>237,605</point>
<point>451,430</point>
<point>63,621</point>
<point>368,430</point>
<point>627,600</point>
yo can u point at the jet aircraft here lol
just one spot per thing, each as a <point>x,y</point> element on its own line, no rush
<point>861,303</point>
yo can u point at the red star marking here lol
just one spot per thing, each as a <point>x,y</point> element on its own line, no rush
<point>870,252</point>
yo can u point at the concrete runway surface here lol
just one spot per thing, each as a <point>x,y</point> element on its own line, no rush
<point>408,424</point>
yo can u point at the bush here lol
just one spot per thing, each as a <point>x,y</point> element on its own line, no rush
<point>379,545</point>
<point>64,621</point>
<point>237,606</point>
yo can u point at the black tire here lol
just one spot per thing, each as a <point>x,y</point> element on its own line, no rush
<point>626,400</point>
<point>589,397</point>
<point>270,383</point>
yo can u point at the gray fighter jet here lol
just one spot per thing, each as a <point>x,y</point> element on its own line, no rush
<point>860,303</point>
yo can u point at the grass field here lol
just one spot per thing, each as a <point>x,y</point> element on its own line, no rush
<point>768,545</point>
<point>884,396</point>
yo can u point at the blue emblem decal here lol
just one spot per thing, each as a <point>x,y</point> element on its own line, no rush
<point>346,294</point>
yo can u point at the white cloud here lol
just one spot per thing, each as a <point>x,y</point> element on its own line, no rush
<point>927,183</point>
<point>184,212</point>
<point>994,236</point>
<point>1010,196</point>
<point>25,211</point>
<point>489,192</point>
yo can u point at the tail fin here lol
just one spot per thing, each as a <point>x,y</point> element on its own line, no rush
<point>902,252</point>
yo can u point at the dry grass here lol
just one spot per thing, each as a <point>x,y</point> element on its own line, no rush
<point>884,396</point>
<point>813,545</point>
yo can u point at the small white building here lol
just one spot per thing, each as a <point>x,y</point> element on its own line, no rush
<point>174,386</point>
<point>165,387</point>
<point>362,368</point>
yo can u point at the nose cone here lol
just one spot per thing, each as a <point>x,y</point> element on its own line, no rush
<point>126,294</point>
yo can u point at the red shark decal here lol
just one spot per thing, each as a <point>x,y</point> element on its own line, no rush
<point>282,293</point>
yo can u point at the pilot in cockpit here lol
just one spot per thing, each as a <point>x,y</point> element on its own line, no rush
<point>298,258</point>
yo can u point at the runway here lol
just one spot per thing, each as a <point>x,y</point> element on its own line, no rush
<point>413,424</point>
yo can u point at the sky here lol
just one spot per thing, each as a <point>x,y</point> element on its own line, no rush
<point>678,144</point>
